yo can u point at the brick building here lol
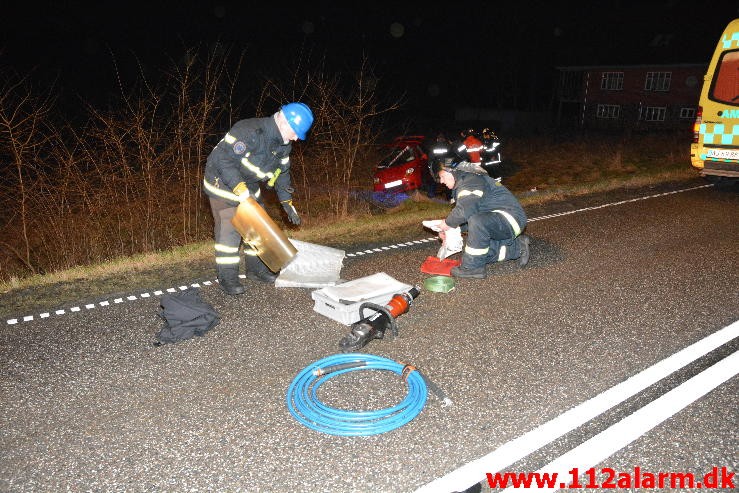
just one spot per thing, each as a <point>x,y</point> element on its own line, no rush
<point>628,96</point>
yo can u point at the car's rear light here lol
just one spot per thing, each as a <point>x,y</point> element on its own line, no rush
<point>697,124</point>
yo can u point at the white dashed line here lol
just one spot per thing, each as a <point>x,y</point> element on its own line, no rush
<point>29,318</point>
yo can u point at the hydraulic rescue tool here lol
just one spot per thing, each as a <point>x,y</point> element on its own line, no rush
<point>373,326</point>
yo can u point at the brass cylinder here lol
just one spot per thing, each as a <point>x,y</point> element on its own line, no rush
<point>260,232</point>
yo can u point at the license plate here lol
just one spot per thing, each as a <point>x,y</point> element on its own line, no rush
<point>395,183</point>
<point>723,154</point>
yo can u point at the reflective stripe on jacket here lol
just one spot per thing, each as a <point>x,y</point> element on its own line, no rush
<point>252,151</point>
<point>479,193</point>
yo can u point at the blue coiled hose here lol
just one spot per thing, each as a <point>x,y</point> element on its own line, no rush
<point>305,406</point>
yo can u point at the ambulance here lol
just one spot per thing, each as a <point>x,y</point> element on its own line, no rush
<point>715,148</point>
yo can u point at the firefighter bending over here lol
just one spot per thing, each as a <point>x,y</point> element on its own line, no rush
<point>254,150</point>
<point>493,217</point>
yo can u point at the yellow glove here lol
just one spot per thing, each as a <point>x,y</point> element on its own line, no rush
<point>241,191</point>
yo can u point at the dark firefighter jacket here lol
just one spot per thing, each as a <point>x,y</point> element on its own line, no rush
<point>252,151</point>
<point>479,193</point>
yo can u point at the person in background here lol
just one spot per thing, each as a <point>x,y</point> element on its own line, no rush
<point>493,217</point>
<point>439,152</point>
<point>471,146</point>
<point>253,151</point>
<point>490,154</point>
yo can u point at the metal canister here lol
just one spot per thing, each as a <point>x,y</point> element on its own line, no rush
<point>260,232</point>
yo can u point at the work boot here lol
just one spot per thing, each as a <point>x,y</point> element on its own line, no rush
<point>523,246</point>
<point>256,270</point>
<point>464,272</point>
<point>228,278</point>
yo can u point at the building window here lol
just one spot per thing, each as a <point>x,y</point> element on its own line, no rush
<point>658,81</point>
<point>612,81</point>
<point>654,113</point>
<point>687,113</point>
<point>608,111</point>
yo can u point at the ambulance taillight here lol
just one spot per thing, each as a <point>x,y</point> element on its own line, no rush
<point>697,124</point>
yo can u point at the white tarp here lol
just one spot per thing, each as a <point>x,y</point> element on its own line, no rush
<point>364,288</point>
<point>314,266</point>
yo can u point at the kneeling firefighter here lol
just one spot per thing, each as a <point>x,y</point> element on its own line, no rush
<point>492,216</point>
<point>254,150</point>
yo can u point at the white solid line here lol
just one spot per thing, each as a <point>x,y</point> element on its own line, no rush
<point>607,442</point>
<point>518,448</point>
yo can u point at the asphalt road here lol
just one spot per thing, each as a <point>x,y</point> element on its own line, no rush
<point>87,403</point>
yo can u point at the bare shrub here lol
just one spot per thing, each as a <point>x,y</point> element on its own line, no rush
<point>128,181</point>
<point>348,120</point>
<point>24,138</point>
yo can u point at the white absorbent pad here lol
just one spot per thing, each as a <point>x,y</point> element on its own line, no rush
<point>453,242</point>
<point>314,266</point>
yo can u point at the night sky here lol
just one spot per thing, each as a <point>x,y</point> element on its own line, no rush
<point>488,54</point>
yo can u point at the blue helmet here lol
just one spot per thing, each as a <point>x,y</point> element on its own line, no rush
<point>300,118</point>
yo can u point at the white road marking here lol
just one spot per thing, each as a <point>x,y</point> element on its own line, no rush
<point>409,243</point>
<point>607,442</point>
<point>518,448</point>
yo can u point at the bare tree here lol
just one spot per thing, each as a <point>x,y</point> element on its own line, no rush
<point>23,134</point>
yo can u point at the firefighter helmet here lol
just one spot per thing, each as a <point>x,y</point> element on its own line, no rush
<point>437,165</point>
<point>299,117</point>
<point>488,133</point>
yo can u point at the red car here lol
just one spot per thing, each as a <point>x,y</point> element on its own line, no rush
<point>403,166</point>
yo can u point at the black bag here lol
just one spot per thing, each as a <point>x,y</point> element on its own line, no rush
<point>185,315</point>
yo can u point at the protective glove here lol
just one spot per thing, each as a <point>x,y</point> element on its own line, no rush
<point>241,191</point>
<point>292,214</point>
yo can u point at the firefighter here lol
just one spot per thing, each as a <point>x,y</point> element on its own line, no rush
<point>493,218</point>
<point>253,151</point>
<point>470,147</point>
<point>439,153</point>
<point>490,154</point>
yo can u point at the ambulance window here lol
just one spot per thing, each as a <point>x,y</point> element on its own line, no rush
<point>726,79</point>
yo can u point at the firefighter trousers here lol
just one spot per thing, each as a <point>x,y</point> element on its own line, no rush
<point>227,239</point>
<point>490,238</point>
